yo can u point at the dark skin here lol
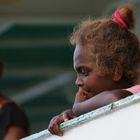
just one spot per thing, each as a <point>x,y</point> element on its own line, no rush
<point>102,99</point>
<point>15,133</point>
<point>95,90</point>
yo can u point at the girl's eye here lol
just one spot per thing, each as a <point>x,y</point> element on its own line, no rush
<point>84,72</point>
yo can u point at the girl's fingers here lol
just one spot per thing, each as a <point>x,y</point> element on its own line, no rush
<point>54,125</point>
<point>68,115</point>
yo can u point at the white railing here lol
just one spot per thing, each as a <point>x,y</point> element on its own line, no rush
<point>116,114</point>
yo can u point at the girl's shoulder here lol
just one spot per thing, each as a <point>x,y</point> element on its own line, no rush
<point>120,94</point>
<point>115,94</point>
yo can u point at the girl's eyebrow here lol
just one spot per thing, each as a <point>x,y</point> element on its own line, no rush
<point>78,68</point>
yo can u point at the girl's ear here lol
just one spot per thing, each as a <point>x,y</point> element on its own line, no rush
<point>118,72</point>
<point>1,69</point>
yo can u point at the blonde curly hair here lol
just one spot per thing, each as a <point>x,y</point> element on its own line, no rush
<point>110,43</point>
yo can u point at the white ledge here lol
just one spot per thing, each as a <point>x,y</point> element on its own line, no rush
<point>92,117</point>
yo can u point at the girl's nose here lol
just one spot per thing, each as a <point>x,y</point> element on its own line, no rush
<point>79,82</point>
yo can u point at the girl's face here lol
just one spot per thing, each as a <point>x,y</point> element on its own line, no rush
<point>88,78</point>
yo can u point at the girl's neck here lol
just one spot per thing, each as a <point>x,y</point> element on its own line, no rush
<point>124,83</point>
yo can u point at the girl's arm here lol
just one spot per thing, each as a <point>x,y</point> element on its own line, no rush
<point>85,104</point>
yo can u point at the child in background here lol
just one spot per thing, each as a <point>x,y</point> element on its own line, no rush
<point>13,121</point>
<point>106,59</point>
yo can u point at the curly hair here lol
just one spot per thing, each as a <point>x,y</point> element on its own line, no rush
<point>110,43</point>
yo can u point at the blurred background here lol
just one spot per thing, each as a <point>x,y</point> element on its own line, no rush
<point>35,49</point>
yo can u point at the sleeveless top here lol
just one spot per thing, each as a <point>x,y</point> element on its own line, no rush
<point>11,115</point>
<point>134,89</point>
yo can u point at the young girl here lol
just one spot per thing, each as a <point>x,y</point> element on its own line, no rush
<point>106,59</point>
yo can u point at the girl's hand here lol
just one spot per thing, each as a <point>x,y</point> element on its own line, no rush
<point>82,96</point>
<point>57,120</point>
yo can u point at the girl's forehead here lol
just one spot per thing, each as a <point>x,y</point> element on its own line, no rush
<point>82,52</point>
<point>82,56</point>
